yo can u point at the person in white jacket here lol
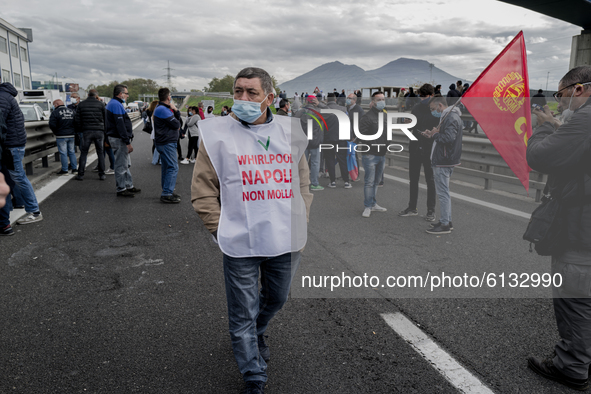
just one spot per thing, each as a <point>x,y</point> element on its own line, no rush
<point>193,134</point>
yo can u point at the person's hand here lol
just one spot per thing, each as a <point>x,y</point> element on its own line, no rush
<point>546,116</point>
<point>4,191</point>
<point>430,133</point>
<point>129,148</point>
<point>172,106</point>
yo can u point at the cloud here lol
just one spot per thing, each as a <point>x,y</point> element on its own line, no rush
<point>98,41</point>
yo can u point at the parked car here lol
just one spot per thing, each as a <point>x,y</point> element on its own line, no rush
<point>32,112</point>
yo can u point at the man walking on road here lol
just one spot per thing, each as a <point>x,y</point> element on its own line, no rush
<point>562,152</point>
<point>90,122</point>
<point>374,158</point>
<point>445,155</point>
<point>61,122</point>
<point>14,144</point>
<point>246,198</point>
<point>167,123</point>
<point>120,134</point>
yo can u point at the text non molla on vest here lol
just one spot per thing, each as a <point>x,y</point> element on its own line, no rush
<point>345,131</point>
<point>270,172</point>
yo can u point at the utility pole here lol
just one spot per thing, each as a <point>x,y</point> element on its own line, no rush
<point>547,80</point>
<point>168,75</point>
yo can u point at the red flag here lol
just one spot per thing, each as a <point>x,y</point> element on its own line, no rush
<point>499,101</point>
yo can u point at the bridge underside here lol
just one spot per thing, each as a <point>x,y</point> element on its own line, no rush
<point>577,12</point>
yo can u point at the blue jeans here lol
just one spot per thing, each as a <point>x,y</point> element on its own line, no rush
<point>109,151</point>
<point>122,164</point>
<point>65,146</point>
<point>374,169</point>
<point>442,175</point>
<point>251,310</point>
<point>169,168</point>
<point>23,190</point>
<point>313,155</point>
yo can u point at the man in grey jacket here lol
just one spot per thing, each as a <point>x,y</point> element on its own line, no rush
<point>563,151</point>
<point>445,155</point>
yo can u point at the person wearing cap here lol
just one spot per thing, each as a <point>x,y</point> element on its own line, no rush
<point>250,188</point>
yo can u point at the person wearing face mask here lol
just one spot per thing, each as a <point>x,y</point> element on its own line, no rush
<point>374,158</point>
<point>224,111</point>
<point>250,188</point>
<point>562,150</point>
<point>209,113</point>
<point>445,155</point>
<point>193,131</point>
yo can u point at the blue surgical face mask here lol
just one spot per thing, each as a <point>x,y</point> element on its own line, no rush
<point>348,102</point>
<point>248,111</point>
<point>436,114</point>
<point>380,105</point>
<point>190,113</point>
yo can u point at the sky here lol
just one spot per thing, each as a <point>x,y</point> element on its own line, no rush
<point>98,41</point>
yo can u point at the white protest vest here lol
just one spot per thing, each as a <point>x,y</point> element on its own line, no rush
<point>262,210</point>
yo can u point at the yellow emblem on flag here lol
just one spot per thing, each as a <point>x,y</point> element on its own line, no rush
<point>509,95</point>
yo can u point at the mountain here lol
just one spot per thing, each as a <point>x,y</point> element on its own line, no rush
<point>402,72</point>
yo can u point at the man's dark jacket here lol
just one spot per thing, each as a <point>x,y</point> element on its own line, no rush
<point>13,117</point>
<point>368,125</point>
<point>425,121</point>
<point>61,122</point>
<point>355,109</point>
<point>282,112</point>
<point>167,124</point>
<point>90,115</point>
<point>117,122</point>
<point>452,95</point>
<point>565,155</point>
<point>539,99</point>
<point>332,132</point>
<point>448,148</point>
<point>308,111</point>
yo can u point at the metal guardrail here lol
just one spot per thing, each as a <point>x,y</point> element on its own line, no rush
<point>41,143</point>
<point>479,158</point>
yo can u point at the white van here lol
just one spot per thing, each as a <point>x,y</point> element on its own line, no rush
<point>42,97</point>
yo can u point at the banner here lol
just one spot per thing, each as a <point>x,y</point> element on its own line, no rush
<point>499,101</point>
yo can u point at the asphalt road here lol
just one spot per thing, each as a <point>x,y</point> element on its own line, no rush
<point>115,295</point>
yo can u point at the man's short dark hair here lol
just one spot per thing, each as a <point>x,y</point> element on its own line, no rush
<point>540,91</point>
<point>459,82</point>
<point>426,90</point>
<point>376,93</point>
<point>579,74</point>
<point>262,75</point>
<point>438,99</point>
<point>163,94</point>
<point>331,97</point>
<point>283,103</point>
<point>93,93</point>
<point>118,89</point>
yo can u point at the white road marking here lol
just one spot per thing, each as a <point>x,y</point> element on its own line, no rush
<point>490,205</point>
<point>445,364</point>
<point>54,185</point>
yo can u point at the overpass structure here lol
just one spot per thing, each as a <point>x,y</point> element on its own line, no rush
<point>577,12</point>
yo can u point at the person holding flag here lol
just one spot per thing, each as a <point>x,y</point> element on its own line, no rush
<point>563,151</point>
